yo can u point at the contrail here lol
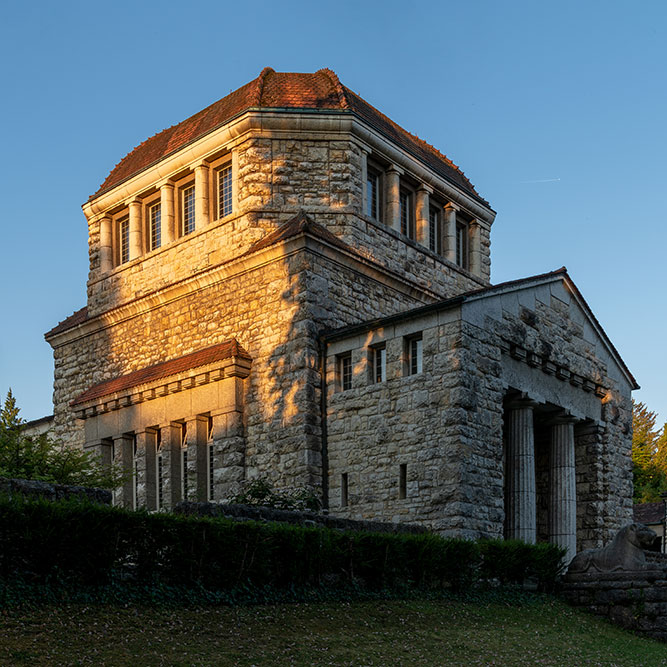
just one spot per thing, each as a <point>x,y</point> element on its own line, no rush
<point>542,180</point>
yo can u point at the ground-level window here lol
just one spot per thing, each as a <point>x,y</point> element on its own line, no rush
<point>413,354</point>
<point>159,473</point>
<point>184,461</point>
<point>403,481</point>
<point>343,490</point>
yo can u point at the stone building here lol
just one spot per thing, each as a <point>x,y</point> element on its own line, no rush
<point>290,285</point>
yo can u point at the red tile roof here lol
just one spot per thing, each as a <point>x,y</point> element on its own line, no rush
<point>227,350</point>
<point>73,320</point>
<point>281,90</point>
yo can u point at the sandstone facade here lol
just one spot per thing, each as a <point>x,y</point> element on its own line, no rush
<point>229,257</point>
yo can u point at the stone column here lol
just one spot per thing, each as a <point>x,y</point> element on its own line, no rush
<point>146,442</point>
<point>124,457</point>
<point>167,212</point>
<point>475,255</point>
<point>170,435</point>
<point>563,487</point>
<point>421,214</point>
<point>521,504</point>
<point>228,438</point>
<point>393,198</point>
<point>136,245</point>
<point>449,240</point>
<point>106,245</point>
<point>197,441</point>
<point>201,196</point>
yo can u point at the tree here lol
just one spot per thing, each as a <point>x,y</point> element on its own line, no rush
<point>649,455</point>
<point>38,457</point>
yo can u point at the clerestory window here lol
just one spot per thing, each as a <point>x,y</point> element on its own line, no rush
<point>462,244</point>
<point>188,210</point>
<point>407,214</point>
<point>124,240</point>
<point>373,194</point>
<point>435,230</point>
<point>155,226</point>
<point>225,204</point>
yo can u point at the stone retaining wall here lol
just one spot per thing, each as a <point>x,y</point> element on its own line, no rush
<point>635,600</point>
<point>256,513</point>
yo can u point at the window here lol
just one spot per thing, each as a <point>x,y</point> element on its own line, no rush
<point>188,210</point>
<point>211,458</point>
<point>343,490</point>
<point>124,240</point>
<point>379,361</point>
<point>154,226</point>
<point>462,244</point>
<point>184,461</point>
<point>159,475</point>
<point>413,354</point>
<point>403,481</point>
<point>135,473</point>
<point>407,214</point>
<point>224,191</point>
<point>434,230</point>
<point>373,199</point>
<point>344,362</point>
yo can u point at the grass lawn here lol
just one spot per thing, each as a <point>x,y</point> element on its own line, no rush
<point>544,632</point>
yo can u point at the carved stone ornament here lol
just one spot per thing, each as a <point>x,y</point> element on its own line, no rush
<point>625,552</point>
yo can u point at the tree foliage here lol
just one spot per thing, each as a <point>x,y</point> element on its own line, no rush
<point>649,455</point>
<point>39,457</point>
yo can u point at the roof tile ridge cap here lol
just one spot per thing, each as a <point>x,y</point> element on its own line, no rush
<point>256,96</point>
<point>340,89</point>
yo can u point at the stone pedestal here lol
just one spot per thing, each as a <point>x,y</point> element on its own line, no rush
<point>563,488</point>
<point>521,503</point>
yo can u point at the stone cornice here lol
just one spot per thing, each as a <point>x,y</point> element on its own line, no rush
<point>280,124</point>
<point>149,391</point>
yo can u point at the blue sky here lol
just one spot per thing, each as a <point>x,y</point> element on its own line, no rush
<point>555,111</point>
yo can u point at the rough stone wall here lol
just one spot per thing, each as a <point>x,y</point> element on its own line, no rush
<point>446,423</point>
<point>276,178</point>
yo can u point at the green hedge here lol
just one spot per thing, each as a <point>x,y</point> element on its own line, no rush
<point>84,545</point>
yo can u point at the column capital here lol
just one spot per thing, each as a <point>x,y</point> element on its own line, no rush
<point>423,187</point>
<point>521,401</point>
<point>394,168</point>
<point>166,184</point>
<point>451,206</point>
<point>133,200</point>
<point>563,417</point>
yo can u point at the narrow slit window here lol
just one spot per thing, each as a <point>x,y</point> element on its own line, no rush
<point>135,473</point>
<point>211,459</point>
<point>343,490</point>
<point>403,481</point>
